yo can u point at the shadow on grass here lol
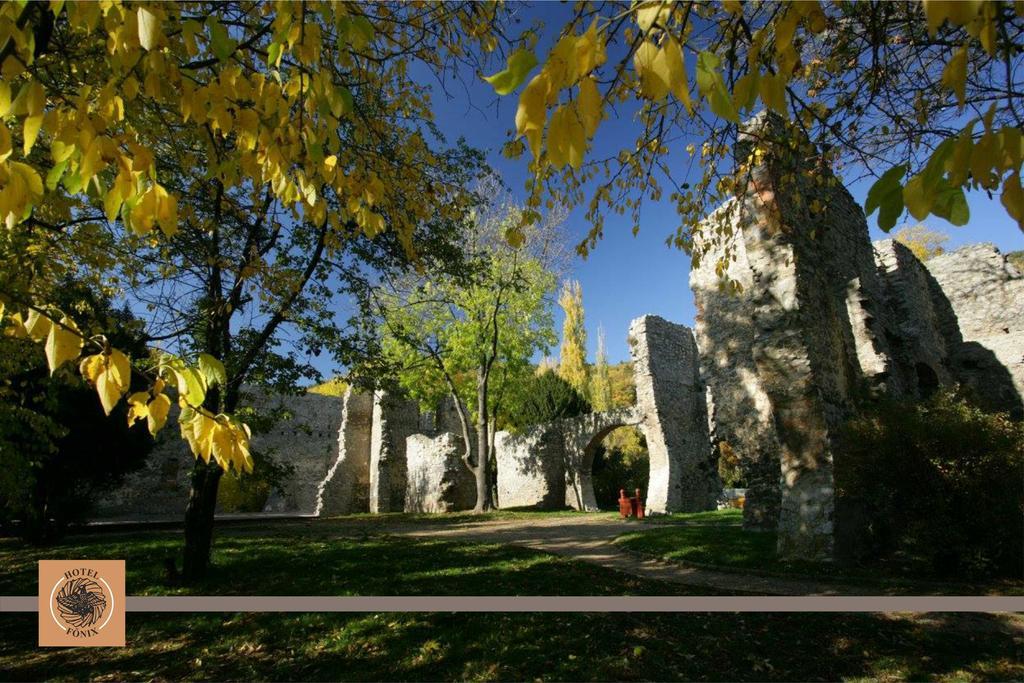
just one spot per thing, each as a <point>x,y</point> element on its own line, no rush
<point>524,646</point>
<point>471,646</point>
<point>374,565</point>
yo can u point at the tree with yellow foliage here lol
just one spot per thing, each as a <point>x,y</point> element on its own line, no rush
<point>600,379</point>
<point>922,240</point>
<point>222,159</point>
<point>572,366</point>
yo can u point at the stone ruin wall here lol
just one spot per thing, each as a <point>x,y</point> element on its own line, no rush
<point>822,317</point>
<point>308,440</point>
<point>785,355</point>
<point>374,452</point>
<point>672,400</point>
<point>986,295</point>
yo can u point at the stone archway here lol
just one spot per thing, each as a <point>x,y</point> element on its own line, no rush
<point>550,465</point>
<point>582,435</point>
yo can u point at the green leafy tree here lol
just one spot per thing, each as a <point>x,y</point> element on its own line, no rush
<point>546,397</point>
<point>468,330</point>
<point>572,366</point>
<point>936,483</point>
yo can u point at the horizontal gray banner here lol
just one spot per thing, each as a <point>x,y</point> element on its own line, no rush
<point>463,603</point>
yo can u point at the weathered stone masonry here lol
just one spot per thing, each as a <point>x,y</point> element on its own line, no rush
<point>822,317</point>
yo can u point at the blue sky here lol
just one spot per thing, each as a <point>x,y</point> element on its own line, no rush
<point>628,276</point>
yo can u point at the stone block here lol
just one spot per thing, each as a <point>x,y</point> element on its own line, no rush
<point>346,487</point>
<point>437,480</point>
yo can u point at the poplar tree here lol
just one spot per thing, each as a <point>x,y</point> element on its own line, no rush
<point>573,364</point>
<point>601,383</point>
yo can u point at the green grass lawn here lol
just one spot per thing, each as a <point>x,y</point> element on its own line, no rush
<point>716,539</point>
<point>283,559</point>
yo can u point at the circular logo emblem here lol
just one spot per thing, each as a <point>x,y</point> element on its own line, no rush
<point>81,602</point>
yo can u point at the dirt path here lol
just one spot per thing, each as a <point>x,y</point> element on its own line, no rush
<point>589,538</point>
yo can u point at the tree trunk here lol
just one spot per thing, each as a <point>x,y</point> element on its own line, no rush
<point>483,455</point>
<point>202,501</point>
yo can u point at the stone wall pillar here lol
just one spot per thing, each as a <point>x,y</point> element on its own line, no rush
<point>804,332</point>
<point>346,488</point>
<point>531,469</point>
<point>394,420</point>
<point>671,397</point>
<point>438,480</point>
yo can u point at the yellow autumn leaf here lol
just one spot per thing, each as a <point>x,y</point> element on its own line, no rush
<point>157,413</point>
<point>120,368</point>
<point>556,142</point>
<point>1013,198</point>
<point>223,445</point>
<point>109,391</point>
<point>772,88</point>
<point>957,12</point>
<point>916,199</point>
<point>144,214</point>
<point>37,325</point>
<point>6,147</point>
<point>137,408</point>
<point>63,343</point>
<point>575,137</point>
<point>28,175</point>
<point>954,76</point>
<point>652,69</point>
<point>91,367</point>
<point>30,132</point>
<point>675,66</point>
<point>590,106</point>
<point>532,112</point>
<point>149,29</point>
<point>166,211</point>
<point>649,14</point>
<point>590,51</point>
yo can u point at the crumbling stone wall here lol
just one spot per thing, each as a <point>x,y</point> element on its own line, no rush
<point>438,480</point>
<point>923,329</point>
<point>531,468</point>
<point>959,319</point>
<point>394,420</point>
<point>672,400</point>
<point>986,294</point>
<point>306,438</point>
<point>805,330</point>
<point>345,488</point>
<point>581,437</point>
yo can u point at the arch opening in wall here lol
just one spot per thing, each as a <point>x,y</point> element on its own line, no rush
<point>620,461</point>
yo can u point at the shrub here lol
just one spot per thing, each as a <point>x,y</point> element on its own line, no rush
<point>938,481</point>
<point>250,492</point>
<point>544,398</point>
